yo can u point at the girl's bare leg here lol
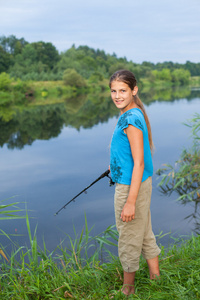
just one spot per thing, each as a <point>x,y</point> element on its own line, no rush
<point>153,265</point>
<point>129,278</point>
<point>128,286</point>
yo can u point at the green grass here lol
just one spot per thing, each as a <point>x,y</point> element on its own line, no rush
<point>78,272</point>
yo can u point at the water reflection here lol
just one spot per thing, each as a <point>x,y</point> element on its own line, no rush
<point>194,216</point>
<point>170,94</point>
<point>45,122</point>
<point>31,124</point>
<point>23,125</point>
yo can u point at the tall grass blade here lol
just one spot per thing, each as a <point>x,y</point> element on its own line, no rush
<point>3,254</point>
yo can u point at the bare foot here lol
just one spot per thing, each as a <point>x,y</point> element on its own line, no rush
<point>154,276</point>
<point>128,290</point>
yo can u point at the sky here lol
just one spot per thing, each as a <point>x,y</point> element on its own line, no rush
<point>143,30</point>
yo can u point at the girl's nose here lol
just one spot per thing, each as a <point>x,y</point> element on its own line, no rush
<point>117,95</point>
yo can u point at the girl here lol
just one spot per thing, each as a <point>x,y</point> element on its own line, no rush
<point>131,168</point>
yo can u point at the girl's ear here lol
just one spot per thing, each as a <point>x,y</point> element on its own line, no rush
<point>135,90</point>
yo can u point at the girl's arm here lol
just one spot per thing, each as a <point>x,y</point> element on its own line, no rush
<point>135,137</point>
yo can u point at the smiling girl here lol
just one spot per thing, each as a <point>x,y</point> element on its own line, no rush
<point>131,169</point>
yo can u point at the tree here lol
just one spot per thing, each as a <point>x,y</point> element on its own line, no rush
<point>26,63</point>
<point>148,64</point>
<point>8,43</point>
<point>193,68</point>
<point>5,60</point>
<point>116,67</point>
<point>46,53</point>
<point>165,75</point>
<point>96,77</point>
<point>181,76</point>
<point>5,82</point>
<point>18,48</point>
<point>12,45</point>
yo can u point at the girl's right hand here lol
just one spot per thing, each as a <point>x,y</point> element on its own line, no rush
<point>128,212</point>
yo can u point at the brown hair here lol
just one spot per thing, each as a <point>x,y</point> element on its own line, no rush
<point>129,78</point>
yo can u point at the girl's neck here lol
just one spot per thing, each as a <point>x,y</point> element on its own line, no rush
<point>125,109</point>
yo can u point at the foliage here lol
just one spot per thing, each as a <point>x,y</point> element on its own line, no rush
<point>41,61</point>
<point>5,60</point>
<point>5,82</point>
<point>35,58</point>
<point>12,45</point>
<point>72,78</point>
<point>96,77</point>
<point>13,92</point>
<point>176,76</point>
<point>181,76</point>
<point>184,178</point>
<point>6,98</point>
<point>192,68</point>
<point>164,74</point>
<point>26,62</point>
<point>46,53</point>
<point>21,86</point>
<point>9,47</point>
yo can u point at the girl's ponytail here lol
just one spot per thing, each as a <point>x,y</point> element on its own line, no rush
<point>141,106</point>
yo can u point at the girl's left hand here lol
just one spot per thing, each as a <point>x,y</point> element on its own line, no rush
<point>128,212</point>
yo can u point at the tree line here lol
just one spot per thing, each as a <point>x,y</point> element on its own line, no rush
<point>41,61</point>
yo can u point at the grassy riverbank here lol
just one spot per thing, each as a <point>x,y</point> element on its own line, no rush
<point>64,274</point>
<point>15,93</point>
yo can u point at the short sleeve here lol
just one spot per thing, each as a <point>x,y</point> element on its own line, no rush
<point>130,118</point>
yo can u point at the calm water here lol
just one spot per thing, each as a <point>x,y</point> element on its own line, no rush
<point>48,173</point>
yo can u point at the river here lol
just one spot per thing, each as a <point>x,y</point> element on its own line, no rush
<point>45,172</point>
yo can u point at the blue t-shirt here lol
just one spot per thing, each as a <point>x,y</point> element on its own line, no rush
<point>121,160</point>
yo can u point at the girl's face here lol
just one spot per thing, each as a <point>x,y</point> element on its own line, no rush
<point>122,95</point>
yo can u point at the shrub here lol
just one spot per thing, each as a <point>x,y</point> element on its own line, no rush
<point>5,82</point>
<point>6,98</point>
<point>73,78</point>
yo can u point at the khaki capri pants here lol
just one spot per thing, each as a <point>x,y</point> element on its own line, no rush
<point>135,237</point>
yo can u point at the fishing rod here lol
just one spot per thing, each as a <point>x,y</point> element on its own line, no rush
<point>105,174</point>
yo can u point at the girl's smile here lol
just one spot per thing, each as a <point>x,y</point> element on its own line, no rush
<point>122,95</point>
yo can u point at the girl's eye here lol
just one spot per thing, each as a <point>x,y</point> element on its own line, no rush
<point>112,91</point>
<point>123,91</point>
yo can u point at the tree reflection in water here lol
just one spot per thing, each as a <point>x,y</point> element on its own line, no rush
<point>46,121</point>
<point>22,125</point>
